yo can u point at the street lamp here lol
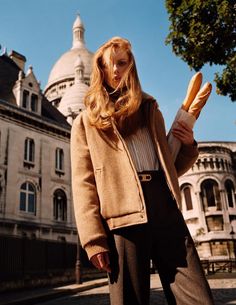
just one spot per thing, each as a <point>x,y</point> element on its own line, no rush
<point>78,279</point>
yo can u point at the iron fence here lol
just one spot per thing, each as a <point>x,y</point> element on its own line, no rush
<point>22,258</point>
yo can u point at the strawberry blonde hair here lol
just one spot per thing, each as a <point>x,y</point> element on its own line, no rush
<point>99,106</point>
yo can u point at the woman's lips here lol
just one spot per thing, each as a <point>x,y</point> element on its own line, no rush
<point>117,78</point>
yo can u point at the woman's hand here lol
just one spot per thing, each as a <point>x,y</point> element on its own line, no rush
<point>184,133</point>
<point>101,261</point>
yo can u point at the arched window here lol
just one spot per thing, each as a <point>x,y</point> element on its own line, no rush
<point>28,198</point>
<point>210,194</point>
<point>59,159</point>
<point>59,205</point>
<point>29,150</point>
<point>186,192</point>
<point>34,102</point>
<point>230,192</point>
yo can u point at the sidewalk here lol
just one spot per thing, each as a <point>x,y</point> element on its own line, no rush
<point>36,295</point>
<point>222,284</point>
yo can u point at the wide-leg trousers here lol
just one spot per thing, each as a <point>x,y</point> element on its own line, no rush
<point>166,240</point>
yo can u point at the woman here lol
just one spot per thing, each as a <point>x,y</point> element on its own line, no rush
<point>125,186</point>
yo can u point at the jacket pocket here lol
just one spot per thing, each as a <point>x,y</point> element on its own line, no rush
<point>117,196</point>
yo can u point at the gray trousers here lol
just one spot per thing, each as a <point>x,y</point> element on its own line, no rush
<point>166,240</point>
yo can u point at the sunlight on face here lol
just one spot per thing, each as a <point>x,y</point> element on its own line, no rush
<point>115,65</point>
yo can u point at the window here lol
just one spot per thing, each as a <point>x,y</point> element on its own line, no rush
<point>59,205</point>
<point>217,163</point>
<point>210,195</point>
<point>222,164</point>
<point>211,163</point>
<point>25,101</point>
<point>230,193</point>
<point>28,198</point>
<point>186,191</point>
<point>205,163</point>
<point>219,248</point>
<point>29,150</point>
<point>59,160</point>
<point>215,223</point>
<point>34,102</point>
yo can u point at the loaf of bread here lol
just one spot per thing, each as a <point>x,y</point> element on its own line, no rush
<point>200,100</point>
<point>193,103</point>
<point>193,88</point>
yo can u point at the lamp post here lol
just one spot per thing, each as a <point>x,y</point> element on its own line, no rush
<point>78,279</point>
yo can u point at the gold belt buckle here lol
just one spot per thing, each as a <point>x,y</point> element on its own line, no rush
<point>145,177</point>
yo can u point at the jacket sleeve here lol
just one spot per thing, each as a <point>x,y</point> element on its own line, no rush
<point>186,157</point>
<point>188,153</point>
<point>85,199</point>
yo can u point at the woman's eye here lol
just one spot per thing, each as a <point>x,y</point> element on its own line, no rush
<point>122,63</point>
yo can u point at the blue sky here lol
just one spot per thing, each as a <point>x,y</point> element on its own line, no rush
<point>42,31</point>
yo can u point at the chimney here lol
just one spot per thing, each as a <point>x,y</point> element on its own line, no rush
<point>19,59</point>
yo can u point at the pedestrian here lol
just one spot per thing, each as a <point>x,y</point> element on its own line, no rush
<point>125,187</point>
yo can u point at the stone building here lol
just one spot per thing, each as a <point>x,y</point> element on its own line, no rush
<point>209,200</point>
<point>35,176</point>
<point>35,189</point>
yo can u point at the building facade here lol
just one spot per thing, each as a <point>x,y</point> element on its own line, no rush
<point>35,189</point>
<point>209,200</point>
<point>35,174</point>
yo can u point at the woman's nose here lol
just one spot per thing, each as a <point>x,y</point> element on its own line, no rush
<point>115,68</point>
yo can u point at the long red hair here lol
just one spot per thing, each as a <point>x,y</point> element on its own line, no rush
<point>99,106</point>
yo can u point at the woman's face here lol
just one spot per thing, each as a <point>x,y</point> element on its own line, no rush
<point>115,66</point>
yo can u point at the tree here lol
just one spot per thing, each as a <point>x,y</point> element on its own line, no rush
<point>204,31</point>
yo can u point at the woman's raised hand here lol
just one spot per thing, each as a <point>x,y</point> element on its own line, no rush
<point>184,133</point>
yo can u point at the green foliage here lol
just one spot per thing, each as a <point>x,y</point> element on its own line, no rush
<point>226,82</point>
<point>204,31</point>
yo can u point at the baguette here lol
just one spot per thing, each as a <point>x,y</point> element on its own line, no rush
<point>193,88</point>
<point>200,100</point>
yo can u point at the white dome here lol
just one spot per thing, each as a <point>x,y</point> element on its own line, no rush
<point>64,67</point>
<point>62,73</point>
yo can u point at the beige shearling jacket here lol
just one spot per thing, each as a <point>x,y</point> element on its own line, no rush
<point>105,183</point>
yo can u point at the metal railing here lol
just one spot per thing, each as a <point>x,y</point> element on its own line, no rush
<point>22,258</point>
